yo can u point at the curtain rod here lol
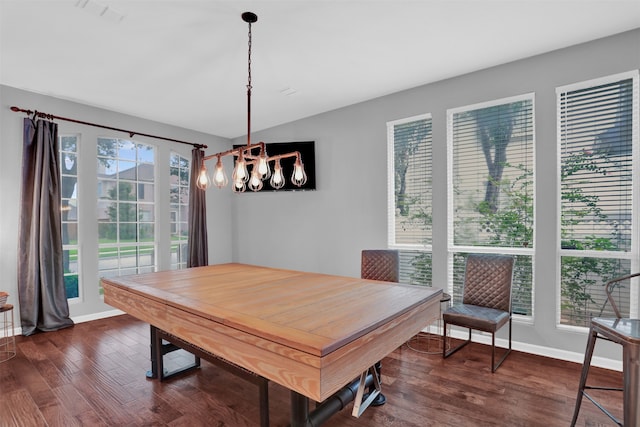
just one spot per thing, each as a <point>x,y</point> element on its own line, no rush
<point>131,133</point>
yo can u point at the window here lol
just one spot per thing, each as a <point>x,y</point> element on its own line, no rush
<point>597,137</point>
<point>490,190</point>
<point>409,154</point>
<point>179,168</point>
<point>68,160</point>
<point>126,207</point>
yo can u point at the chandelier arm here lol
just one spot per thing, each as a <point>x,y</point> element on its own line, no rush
<point>284,156</point>
<point>246,151</point>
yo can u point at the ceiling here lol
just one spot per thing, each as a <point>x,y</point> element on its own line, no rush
<point>184,62</point>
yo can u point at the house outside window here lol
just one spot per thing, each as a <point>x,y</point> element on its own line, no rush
<point>491,190</point>
<point>410,213</point>
<point>599,179</point>
<point>126,207</point>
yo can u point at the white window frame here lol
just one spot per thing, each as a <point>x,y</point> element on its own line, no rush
<point>451,247</point>
<point>391,191</point>
<point>391,203</point>
<point>156,201</point>
<point>77,246</point>
<point>632,255</point>
<point>183,264</point>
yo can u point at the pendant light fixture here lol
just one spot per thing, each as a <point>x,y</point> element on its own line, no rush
<point>251,160</point>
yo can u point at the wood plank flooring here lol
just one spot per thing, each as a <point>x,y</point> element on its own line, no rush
<point>93,374</point>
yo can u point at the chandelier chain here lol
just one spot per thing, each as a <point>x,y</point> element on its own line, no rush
<point>249,60</point>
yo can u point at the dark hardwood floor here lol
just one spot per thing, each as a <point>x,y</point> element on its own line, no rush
<point>94,375</point>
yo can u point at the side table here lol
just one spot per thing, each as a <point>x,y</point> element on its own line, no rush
<point>7,339</point>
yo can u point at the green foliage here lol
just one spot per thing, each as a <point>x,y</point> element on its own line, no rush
<point>422,267</point>
<point>581,274</point>
<point>408,138</point>
<point>122,212</point>
<point>494,129</point>
<point>511,225</point>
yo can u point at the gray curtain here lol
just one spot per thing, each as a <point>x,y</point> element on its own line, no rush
<point>41,291</point>
<point>198,246</point>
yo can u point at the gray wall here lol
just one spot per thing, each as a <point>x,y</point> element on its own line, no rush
<point>325,230</point>
<point>219,210</point>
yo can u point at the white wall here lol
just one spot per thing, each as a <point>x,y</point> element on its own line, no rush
<point>325,230</point>
<point>219,210</point>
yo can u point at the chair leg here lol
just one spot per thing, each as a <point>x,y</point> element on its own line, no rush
<point>631,386</point>
<point>493,350</point>
<point>448,353</point>
<point>585,372</point>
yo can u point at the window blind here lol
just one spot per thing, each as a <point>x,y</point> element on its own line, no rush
<point>410,213</point>
<point>491,190</point>
<point>596,155</point>
<point>597,131</point>
<point>492,159</point>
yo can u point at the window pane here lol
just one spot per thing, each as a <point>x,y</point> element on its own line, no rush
<point>146,212</point>
<point>146,255</point>
<point>146,172</point>
<point>71,285</point>
<point>179,169</point>
<point>491,190</point>
<point>521,289</point>
<point>126,209</point>
<point>415,267</point>
<point>69,144</point>
<point>596,122</point>
<point>493,175</point>
<point>582,291</point>
<point>107,232</point>
<point>412,181</point>
<point>410,213</point>
<point>596,154</point>
<point>70,233</point>
<point>146,233</point>
<point>68,156</point>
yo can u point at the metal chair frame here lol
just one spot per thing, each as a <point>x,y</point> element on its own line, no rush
<point>614,330</point>
<point>448,352</point>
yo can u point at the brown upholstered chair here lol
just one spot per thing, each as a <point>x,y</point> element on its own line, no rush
<point>380,264</point>
<point>625,332</point>
<point>384,265</point>
<point>486,301</point>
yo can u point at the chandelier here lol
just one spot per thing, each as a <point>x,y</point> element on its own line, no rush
<point>252,163</point>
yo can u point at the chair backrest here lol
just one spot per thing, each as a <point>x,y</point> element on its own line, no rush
<point>609,289</point>
<point>487,281</point>
<point>380,264</point>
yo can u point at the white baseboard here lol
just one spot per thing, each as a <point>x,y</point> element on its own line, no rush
<point>538,350</point>
<point>82,319</point>
<point>96,316</point>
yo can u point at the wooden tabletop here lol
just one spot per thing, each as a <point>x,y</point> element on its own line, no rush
<point>268,320</point>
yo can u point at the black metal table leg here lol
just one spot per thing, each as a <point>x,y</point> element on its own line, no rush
<point>155,353</point>
<point>263,394</point>
<point>299,410</point>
